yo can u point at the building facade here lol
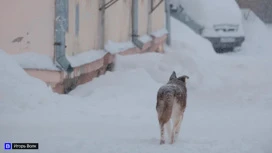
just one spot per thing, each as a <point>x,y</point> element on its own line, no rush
<point>69,42</point>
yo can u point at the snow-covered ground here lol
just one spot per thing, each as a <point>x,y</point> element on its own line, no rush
<point>229,102</point>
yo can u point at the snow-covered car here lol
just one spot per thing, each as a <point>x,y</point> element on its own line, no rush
<point>221,21</point>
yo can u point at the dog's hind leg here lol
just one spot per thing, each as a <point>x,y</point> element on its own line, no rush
<point>168,128</point>
<point>176,123</point>
<point>162,141</point>
<point>178,127</point>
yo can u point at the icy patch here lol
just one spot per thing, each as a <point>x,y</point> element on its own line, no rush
<point>33,60</point>
<point>86,57</point>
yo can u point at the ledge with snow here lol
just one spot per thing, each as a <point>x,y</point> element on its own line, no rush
<point>87,65</point>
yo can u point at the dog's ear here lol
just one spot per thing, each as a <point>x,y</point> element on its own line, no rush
<point>173,76</point>
<point>183,78</point>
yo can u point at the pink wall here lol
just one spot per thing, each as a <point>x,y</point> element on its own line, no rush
<point>31,19</point>
<point>46,76</point>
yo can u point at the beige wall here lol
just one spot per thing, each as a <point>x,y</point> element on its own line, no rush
<point>118,21</point>
<point>32,20</point>
<point>88,27</point>
<point>143,17</point>
<point>158,16</point>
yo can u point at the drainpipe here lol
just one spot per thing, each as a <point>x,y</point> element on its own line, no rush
<point>102,23</point>
<point>61,25</point>
<point>168,22</point>
<point>149,23</point>
<point>135,35</point>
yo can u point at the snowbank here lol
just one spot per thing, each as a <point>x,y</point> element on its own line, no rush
<point>183,57</point>
<point>33,60</point>
<point>187,39</point>
<point>18,90</point>
<point>29,101</point>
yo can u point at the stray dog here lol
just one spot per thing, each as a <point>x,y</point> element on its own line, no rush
<point>171,104</point>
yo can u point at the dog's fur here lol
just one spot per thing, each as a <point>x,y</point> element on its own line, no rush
<point>171,104</point>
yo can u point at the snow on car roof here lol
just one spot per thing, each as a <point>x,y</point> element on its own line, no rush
<point>210,12</point>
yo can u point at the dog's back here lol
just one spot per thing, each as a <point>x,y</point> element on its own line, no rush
<point>173,93</point>
<point>171,102</point>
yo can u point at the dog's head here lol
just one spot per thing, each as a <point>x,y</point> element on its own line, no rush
<point>181,78</point>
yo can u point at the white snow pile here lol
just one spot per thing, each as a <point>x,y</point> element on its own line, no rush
<point>18,90</point>
<point>33,60</point>
<point>208,13</point>
<point>22,94</point>
<point>182,57</point>
<point>187,39</point>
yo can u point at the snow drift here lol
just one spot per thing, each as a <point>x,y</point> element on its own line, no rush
<point>19,90</point>
<point>183,57</point>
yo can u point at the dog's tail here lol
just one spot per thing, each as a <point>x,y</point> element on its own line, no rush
<point>164,108</point>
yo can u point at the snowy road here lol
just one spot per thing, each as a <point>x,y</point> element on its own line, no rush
<point>229,105</point>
